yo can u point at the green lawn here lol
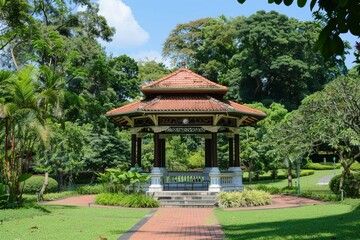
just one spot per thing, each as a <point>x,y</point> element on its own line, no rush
<point>306,183</point>
<point>330,221</point>
<point>67,222</point>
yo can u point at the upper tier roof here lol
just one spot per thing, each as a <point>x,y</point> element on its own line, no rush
<point>183,81</point>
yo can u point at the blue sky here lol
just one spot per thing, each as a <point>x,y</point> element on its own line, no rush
<point>143,25</point>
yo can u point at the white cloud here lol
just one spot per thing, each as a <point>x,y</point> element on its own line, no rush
<point>128,32</point>
<point>150,55</point>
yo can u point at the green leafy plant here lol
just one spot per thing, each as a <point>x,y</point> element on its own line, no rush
<point>115,180</point>
<point>3,196</point>
<point>246,198</point>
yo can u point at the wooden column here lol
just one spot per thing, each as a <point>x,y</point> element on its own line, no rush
<point>162,152</point>
<point>133,150</point>
<point>214,161</point>
<point>138,155</point>
<point>237,151</point>
<point>207,152</point>
<point>157,162</point>
<point>231,152</point>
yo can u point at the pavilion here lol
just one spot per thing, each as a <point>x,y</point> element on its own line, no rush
<point>184,102</point>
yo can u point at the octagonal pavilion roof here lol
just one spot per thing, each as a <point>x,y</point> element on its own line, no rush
<point>184,92</point>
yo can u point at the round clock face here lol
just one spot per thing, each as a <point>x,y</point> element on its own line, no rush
<point>185,121</point>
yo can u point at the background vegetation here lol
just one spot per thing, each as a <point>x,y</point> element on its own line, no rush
<point>57,81</point>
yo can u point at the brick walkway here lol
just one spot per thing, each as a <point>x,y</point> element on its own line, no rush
<point>82,200</point>
<point>183,223</point>
<point>180,223</point>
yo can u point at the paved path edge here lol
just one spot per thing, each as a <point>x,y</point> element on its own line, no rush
<point>127,235</point>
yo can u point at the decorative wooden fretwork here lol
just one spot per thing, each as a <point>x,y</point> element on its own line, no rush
<point>191,121</point>
<point>140,122</point>
<point>185,130</point>
<point>228,122</point>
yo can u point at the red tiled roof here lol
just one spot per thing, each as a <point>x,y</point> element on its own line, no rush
<point>243,108</point>
<point>188,103</point>
<point>183,79</point>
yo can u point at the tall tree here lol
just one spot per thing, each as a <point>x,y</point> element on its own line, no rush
<point>266,57</point>
<point>275,60</point>
<point>329,117</point>
<point>339,17</point>
<point>24,111</point>
<point>150,71</point>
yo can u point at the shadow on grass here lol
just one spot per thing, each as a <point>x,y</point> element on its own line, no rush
<point>343,226</point>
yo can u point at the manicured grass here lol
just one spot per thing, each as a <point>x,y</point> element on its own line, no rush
<point>307,183</point>
<point>67,222</point>
<point>330,221</point>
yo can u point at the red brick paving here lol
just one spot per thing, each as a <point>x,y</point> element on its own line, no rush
<point>180,224</point>
<point>186,223</point>
<point>82,200</point>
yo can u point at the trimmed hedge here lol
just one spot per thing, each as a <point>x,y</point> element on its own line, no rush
<point>91,189</point>
<point>351,185</point>
<point>126,200</point>
<point>34,184</point>
<point>321,166</point>
<point>355,167</point>
<point>283,175</point>
<point>246,198</point>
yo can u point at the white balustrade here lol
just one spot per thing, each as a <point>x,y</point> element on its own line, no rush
<point>213,181</point>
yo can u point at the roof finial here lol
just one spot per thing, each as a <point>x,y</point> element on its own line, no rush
<point>183,63</point>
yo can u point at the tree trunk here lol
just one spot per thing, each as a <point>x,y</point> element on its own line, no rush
<point>290,177</point>
<point>44,186</point>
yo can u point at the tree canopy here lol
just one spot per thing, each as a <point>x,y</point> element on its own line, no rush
<point>265,57</point>
<point>338,17</point>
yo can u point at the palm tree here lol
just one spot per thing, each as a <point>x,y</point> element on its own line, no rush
<point>24,115</point>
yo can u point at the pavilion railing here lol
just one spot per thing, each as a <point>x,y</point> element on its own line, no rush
<point>191,181</point>
<point>184,177</point>
<point>231,181</point>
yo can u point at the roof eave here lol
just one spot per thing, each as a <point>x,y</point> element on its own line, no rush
<point>262,116</point>
<point>184,90</point>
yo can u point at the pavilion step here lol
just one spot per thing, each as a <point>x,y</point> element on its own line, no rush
<point>185,198</point>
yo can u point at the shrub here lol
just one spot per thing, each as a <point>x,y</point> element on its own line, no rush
<point>34,184</point>
<point>355,167</point>
<point>306,172</point>
<point>126,200</point>
<point>269,189</point>
<point>281,175</point>
<point>91,189</point>
<point>321,166</point>
<point>3,196</point>
<point>351,185</point>
<point>289,190</point>
<point>246,198</point>
<point>321,196</point>
<point>58,195</point>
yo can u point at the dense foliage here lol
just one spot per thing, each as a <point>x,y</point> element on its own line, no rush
<point>338,17</point>
<point>328,117</point>
<point>56,83</point>
<point>351,185</point>
<point>265,57</point>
